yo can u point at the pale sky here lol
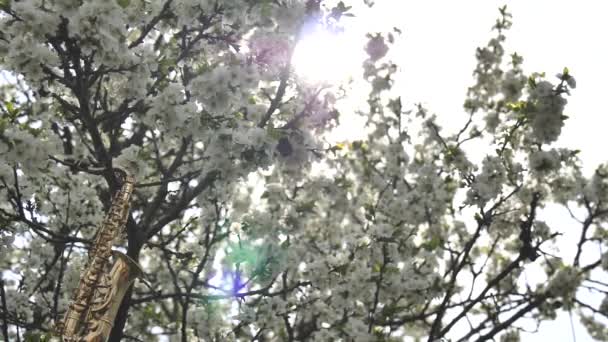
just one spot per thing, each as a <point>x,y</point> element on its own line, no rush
<point>436,56</point>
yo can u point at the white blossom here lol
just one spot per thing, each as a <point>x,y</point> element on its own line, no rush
<point>488,183</point>
<point>544,161</point>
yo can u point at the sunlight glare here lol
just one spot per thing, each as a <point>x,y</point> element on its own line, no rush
<point>325,56</point>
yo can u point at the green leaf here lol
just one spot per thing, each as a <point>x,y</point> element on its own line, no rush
<point>36,337</point>
<point>432,244</point>
<point>5,4</point>
<point>517,106</point>
<point>306,207</point>
<point>123,3</point>
<point>266,10</point>
<point>337,147</point>
<point>532,82</point>
<point>516,59</point>
<point>275,133</point>
<point>10,108</point>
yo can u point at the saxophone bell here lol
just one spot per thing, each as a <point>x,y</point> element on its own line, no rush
<point>105,307</point>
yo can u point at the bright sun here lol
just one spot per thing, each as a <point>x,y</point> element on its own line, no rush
<point>324,56</point>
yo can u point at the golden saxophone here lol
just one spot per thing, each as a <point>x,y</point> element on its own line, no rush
<point>103,284</point>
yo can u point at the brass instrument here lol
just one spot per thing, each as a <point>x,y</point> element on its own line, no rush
<point>90,316</point>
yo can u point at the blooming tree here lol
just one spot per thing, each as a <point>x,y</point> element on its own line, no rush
<point>403,233</point>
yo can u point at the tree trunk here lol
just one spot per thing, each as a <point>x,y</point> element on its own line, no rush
<point>121,317</point>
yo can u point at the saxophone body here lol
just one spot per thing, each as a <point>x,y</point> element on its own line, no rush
<point>106,278</point>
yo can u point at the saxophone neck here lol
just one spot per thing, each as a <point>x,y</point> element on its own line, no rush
<point>124,176</point>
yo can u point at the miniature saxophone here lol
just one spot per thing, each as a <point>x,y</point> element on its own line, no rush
<point>90,316</point>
